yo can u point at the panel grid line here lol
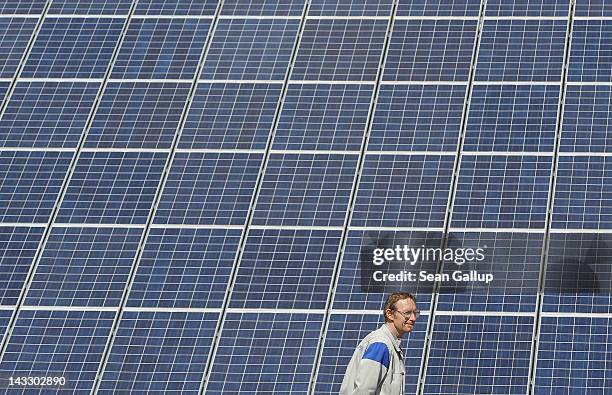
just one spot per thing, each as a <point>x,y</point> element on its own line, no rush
<point>49,226</point>
<point>352,199</point>
<point>550,205</point>
<point>149,221</point>
<point>257,189</point>
<point>451,199</point>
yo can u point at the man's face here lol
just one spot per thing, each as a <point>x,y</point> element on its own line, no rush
<point>402,319</point>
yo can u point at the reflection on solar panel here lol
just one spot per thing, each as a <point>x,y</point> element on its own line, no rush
<point>196,195</point>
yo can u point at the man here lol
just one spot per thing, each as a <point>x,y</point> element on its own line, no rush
<point>377,366</point>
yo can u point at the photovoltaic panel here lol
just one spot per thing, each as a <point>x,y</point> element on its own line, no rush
<point>512,118</point>
<point>184,268</point>
<point>257,49</point>
<point>323,117</point>
<point>15,35</point>
<point>587,125</point>
<point>18,247</point>
<point>209,188</point>
<point>344,333</point>
<point>350,8</point>
<point>138,115</point>
<point>5,317</point>
<point>591,51</point>
<point>47,114</point>
<point>305,190</point>
<point>356,289</point>
<point>593,8</point>
<point>479,355</point>
<point>30,183</point>
<point>4,87</point>
<point>90,7</point>
<point>582,193</point>
<point>513,259</point>
<point>263,8</point>
<point>579,273</point>
<point>340,50</point>
<point>159,352</point>
<point>502,192</point>
<point>286,269</point>
<point>67,344</point>
<point>574,356</point>
<point>417,118</point>
<point>161,48</point>
<point>430,50</point>
<point>73,48</point>
<point>403,190</point>
<point>85,267</point>
<point>230,116</point>
<point>112,188</point>
<point>176,7</point>
<point>521,50</point>
<point>270,353</point>
<point>458,8</point>
<point>22,6</point>
<point>529,8</point>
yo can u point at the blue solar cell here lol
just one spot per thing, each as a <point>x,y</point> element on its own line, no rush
<point>538,8</point>
<point>340,49</point>
<point>250,49</point>
<point>514,260</point>
<point>593,8</point>
<point>357,290</point>
<point>84,267</point>
<point>430,50</point>
<point>295,274</point>
<point>323,117</point>
<point>582,193</point>
<point>417,118</point>
<point>73,48</point>
<point>265,353</point>
<point>479,355</point>
<point>403,190</point>
<point>438,8</point>
<point>230,116</point>
<point>112,188</point>
<point>176,7</point>
<point>159,352</point>
<point>591,51</point>
<point>209,188</point>
<point>344,334</point>
<point>521,50</point>
<point>306,190</point>
<point>587,118</point>
<point>47,114</point>
<point>185,268</point>
<point>138,115</point>
<point>263,7</point>
<point>22,6</point>
<point>350,8</point>
<point>574,356</point>
<point>5,317</point>
<point>15,35</point>
<point>161,48</point>
<point>91,7</point>
<point>579,273</point>
<point>18,247</point>
<point>4,87</point>
<point>502,192</point>
<point>512,118</point>
<point>67,344</point>
<point>30,183</point>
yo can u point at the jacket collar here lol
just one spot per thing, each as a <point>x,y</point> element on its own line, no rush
<point>394,340</point>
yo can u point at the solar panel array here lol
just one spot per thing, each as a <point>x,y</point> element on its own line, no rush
<point>188,189</point>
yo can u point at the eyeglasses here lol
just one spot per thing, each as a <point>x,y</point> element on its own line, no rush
<point>408,314</point>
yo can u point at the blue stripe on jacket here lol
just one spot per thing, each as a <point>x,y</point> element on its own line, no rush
<point>378,352</point>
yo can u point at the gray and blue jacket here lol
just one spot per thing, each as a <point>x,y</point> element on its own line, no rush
<point>377,366</point>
